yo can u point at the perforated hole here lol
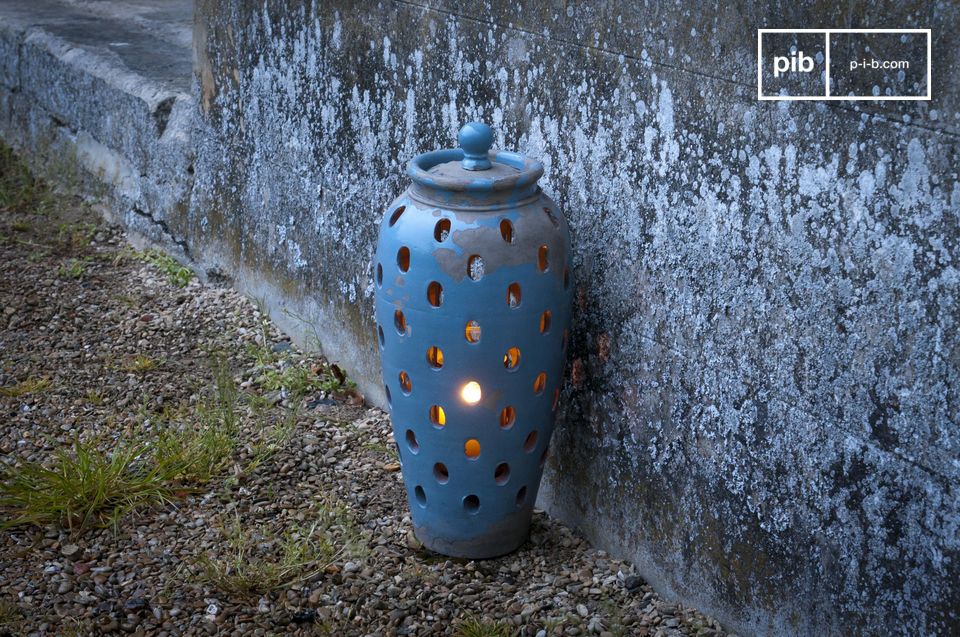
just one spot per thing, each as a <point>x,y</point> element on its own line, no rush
<point>406,385</point>
<point>556,399</point>
<point>508,416</point>
<point>506,230</point>
<point>540,383</point>
<point>435,357</point>
<point>552,217</point>
<point>435,294</point>
<point>566,278</point>
<point>420,495</point>
<point>472,332</point>
<point>437,416</point>
<point>531,441</point>
<point>379,274</point>
<point>513,295</point>
<point>440,473</point>
<point>412,443</point>
<point>521,496</point>
<point>502,473</point>
<point>471,504</point>
<point>380,335</point>
<point>396,215</point>
<point>511,360</point>
<point>471,393</point>
<point>545,322</point>
<point>472,448</point>
<point>542,261</point>
<point>442,230</point>
<point>403,258</point>
<point>400,322</point>
<point>475,267</point>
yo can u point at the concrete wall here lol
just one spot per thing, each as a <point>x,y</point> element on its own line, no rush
<point>762,407</point>
<point>762,410</point>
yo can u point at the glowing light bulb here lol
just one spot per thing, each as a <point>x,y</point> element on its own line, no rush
<point>471,392</point>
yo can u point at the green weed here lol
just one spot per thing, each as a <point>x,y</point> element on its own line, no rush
<point>275,438</point>
<point>476,627</point>
<point>76,237</point>
<point>177,274</point>
<point>195,456</point>
<point>296,380</point>
<point>72,269</point>
<point>139,364</point>
<point>262,355</point>
<point>82,487</point>
<point>29,386</point>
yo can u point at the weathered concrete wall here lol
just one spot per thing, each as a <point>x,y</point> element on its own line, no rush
<point>762,406</point>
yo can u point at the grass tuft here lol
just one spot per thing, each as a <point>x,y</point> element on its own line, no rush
<point>476,627</point>
<point>139,364</point>
<point>72,269</point>
<point>11,618</point>
<point>82,487</point>
<point>296,380</point>
<point>29,386</point>
<point>275,437</point>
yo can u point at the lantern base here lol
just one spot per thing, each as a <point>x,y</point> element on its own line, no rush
<point>495,541</point>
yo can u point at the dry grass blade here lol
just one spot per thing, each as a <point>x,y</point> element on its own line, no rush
<point>204,449</point>
<point>258,565</point>
<point>20,191</point>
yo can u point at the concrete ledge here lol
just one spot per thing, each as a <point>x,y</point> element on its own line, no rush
<point>103,100</point>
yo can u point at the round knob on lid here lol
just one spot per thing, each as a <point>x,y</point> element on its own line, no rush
<point>475,140</point>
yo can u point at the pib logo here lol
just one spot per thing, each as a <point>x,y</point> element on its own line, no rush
<point>795,63</point>
<point>790,64</point>
<point>844,64</point>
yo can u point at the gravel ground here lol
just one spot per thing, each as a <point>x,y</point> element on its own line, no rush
<point>301,530</point>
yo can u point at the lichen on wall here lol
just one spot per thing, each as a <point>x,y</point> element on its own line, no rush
<point>762,407</point>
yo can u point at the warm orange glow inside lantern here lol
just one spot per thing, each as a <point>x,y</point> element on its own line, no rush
<point>471,392</point>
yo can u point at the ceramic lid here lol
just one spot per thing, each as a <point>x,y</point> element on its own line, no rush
<point>473,167</point>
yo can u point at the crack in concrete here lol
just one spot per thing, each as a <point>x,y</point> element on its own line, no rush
<point>182,244</point>
<point>161,114</point>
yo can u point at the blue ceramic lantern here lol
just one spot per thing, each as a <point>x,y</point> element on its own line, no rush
<point>472,307</point>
